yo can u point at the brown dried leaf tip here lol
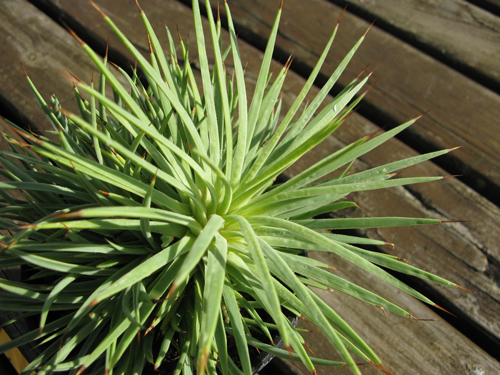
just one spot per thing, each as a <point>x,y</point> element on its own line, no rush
<point>77,38</point>
<point>369,27</point>
<point>453,221</point>
<point>446,311</point>
<point>342,15</point>
<point>138,6</point>
<point>383,310</point>
<point>382,368</point>
<point>422,115</point>
<point>97,8</point>
<point>455,148</point>
<point>462,288</point>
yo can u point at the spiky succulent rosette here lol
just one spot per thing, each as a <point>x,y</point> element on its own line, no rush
<point>154,218</point>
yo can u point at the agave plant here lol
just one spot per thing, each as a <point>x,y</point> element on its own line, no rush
<point>152,229</point>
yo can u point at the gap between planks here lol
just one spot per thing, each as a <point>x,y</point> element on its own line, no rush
<point>296,81</point>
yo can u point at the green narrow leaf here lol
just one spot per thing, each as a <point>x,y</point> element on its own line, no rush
<point>264,275</point>
<point>243,132</point>
<point>212,295</point>
<point>145,269</point>
<point>145,223</point>
<point>314,311</point>
<point>235,320</point>
<point>338,249</point>
<point>208,92</point>
<point>198,250</point>
<point>61,285</point>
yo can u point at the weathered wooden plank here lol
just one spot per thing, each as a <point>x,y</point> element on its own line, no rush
<point>30,38</point>
<point>45,51</point>
<point>467,254</point>
<point>462,112</point>
<point>454,30</point>
<point>403,339</point>
<point>171,14</point>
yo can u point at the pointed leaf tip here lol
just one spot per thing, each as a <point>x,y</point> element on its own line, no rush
<point>138,6</point>
<point>24,70</point>
<point>80,370</point>
<point>366,92</point>
<point>462,288</point>
<point>422,319</point>
<point>73,78</point>
<point>455,148</point>
<point>373,71</point>
<point>107,49</point>
<point>446,311</point>
<point>304,319</point>
<point>369,27</point>
<point>289,63</point>
<point>308,347</point>
<point>373,135</point>
<point>422,115</point>
<point>361,73</point>
<point>21,227</point>
<point>381,367</point>
<point>383,310</point>
<point>178,32</point>
<point>151,51</point>
<point>342,15</point>
<point>150,328</point>
<point>73,33</point>
<point>403,260</point>
<point>97,8</point>
<point>26,135</point>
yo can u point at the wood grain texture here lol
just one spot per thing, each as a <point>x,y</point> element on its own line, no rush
<point>461,112</point>
<point>455,29</point>
<point>404,340</point>
<point>456,254</point>
<point>30,38</point>
<point>467,255</point>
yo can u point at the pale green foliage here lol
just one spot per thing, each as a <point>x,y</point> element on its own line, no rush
<point>155,216</point>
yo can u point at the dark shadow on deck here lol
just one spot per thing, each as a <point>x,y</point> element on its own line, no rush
<point>475,181</point>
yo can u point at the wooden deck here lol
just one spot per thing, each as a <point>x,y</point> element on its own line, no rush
<point>437,56</point>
